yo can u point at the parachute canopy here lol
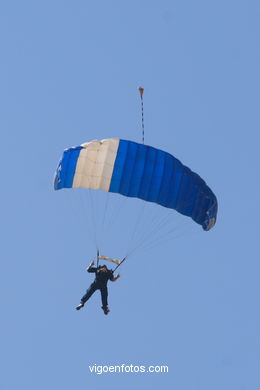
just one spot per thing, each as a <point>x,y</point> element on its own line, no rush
<point>141,171</point>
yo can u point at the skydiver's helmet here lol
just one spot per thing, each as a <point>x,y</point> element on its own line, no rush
<point>103,266</point>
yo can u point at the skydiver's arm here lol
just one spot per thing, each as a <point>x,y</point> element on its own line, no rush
<point>114,278</point>
<point>90,268</point>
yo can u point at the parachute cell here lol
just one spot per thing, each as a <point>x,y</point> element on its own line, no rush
<point>141,171</point>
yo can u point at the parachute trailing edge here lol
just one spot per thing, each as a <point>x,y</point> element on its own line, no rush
<point>136,170</point>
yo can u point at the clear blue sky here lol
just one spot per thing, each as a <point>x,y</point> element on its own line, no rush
<point>69,74</point>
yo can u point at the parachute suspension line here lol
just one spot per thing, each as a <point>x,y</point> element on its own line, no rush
<point>162,225</point>
<point>103,228</point>
<point>97,258</point>
<point>115,211</point>
<point>182,231</point>
<point>111,218</point>
<point>179,231</point>
<point>83,200</point>
<point>151,227</point>
<point>92,208</point>
<point>141,91</point>
<point>136,227</point>
<point>150,232</point>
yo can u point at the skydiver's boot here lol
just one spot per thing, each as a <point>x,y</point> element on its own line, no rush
<point>105,309</point>
<point>80,306</point>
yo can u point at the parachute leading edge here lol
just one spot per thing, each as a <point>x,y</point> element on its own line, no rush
<point>136,170</point>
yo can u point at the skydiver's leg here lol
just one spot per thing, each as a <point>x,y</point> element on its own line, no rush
<point>90,291</point>
<point>104,295</point>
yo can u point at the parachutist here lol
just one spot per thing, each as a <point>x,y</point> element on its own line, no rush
<point>103,274</point>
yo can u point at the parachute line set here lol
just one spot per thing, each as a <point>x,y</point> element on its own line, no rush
<point>140,171</point>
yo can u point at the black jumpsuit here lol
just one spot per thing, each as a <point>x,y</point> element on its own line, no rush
<point>100,283</point>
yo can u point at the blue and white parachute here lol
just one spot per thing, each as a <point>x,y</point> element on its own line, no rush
<point>136,170</point>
